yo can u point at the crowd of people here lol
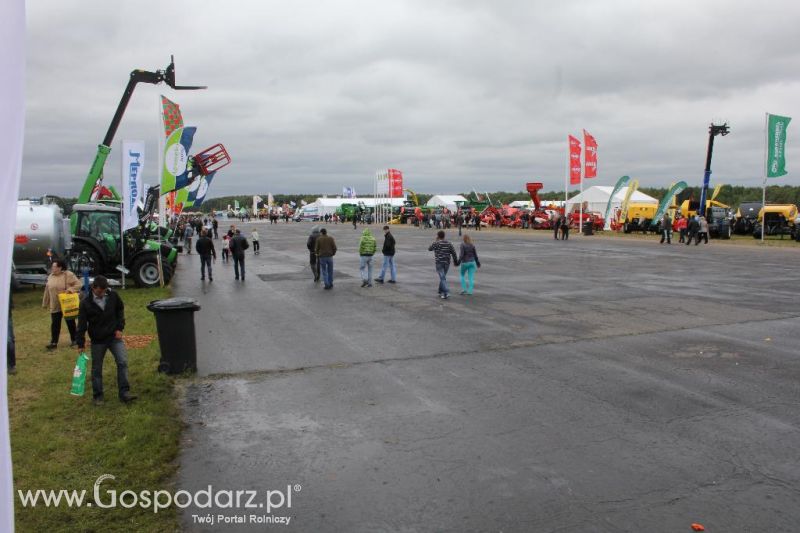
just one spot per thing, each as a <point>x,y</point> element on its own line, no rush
<point>689,229</point>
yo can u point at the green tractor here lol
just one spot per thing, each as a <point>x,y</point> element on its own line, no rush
<point>98,249</point>
<point>98,245</point>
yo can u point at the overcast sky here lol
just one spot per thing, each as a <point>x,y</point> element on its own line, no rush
<point>309,96</point>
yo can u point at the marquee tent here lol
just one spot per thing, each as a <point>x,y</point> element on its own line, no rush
<point>328,206</point>
<point>597,199</point>
<point>448,201</point>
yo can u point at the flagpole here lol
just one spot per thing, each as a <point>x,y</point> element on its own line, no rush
<point>162,200</point>
<point>764,184</point>
<point>566,178</point>
<point>583,172</point>
<point>123,212</point>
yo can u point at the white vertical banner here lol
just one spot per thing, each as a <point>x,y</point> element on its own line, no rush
<point>132,188</point>
<point>12,132</point>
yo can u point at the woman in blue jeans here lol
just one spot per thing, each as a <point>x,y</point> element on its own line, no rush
<point>469,263</point>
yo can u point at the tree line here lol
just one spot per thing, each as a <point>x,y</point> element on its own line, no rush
<point>729,195</point>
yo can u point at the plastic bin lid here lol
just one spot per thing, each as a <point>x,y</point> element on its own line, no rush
<point>180,303</point>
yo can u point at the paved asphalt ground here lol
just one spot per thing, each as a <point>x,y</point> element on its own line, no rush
<point>597,384</point>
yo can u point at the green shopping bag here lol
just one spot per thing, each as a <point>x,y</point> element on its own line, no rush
<point>79,375</point>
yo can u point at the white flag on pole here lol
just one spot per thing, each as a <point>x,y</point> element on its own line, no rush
<point>132,188</point>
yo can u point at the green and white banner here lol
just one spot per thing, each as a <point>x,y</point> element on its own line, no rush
<point>667,200</point>
<point>776,145</point>
<point>620,184</point>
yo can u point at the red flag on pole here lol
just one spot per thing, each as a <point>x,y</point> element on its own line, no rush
<point>574,160</point>
<point>395,183</point>
<point>589,156</point>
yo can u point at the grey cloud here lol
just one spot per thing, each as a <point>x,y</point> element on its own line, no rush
<point>310,96</point>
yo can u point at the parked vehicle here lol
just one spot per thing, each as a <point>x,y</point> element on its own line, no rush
<point>777,220</point>
<point>746,217</point>
<point>40,236</point>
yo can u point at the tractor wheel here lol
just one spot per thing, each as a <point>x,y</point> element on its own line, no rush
<point>145,271</point>
<point>81,257</point>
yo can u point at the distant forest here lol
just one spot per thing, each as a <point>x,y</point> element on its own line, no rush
<point>730,195</point>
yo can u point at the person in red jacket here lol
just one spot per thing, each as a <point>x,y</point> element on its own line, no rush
<point>680,226</point>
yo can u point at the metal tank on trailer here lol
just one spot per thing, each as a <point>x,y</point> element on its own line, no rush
<point>39,229</point>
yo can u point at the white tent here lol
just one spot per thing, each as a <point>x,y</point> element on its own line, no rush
<point>597,199</point>
<point>448,201</point>
<point>328,206</point>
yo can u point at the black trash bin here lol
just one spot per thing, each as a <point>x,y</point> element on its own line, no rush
<point>176,338</point>
<point>588,228</point>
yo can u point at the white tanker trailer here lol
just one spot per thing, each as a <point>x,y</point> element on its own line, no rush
<point>40,235</point>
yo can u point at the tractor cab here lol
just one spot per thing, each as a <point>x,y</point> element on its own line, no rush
<point>100,223</point>
<point>98,247</point>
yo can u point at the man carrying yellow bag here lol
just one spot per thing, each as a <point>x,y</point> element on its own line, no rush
<point>61,297</point>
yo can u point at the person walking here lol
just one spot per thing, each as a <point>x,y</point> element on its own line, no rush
<point>666,229</point>
<point>188,233</point>
<point>702,231</point>
<point>59,281</point>
<point>205,248</point>
<point>680,225</point>
<point>325,248</point>
<point>238,245</point>
<point>469,264</point>
<point>254,238</point>
<point>215,226</point>
<point>102,315</point>
<point>556,225</point>
<point>366,252</point>
<point>564,220</point>
<point>388,252</point>
<point>442,252</point>
<point>692,230</point>
<point>311,244</point>
<point>226,248</point>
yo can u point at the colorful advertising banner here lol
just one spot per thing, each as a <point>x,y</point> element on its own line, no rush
<point>170,116</point>
<point>666,201</point>
<point>348,192</point>
<point>174,175</point>
<point>776,145</point>
<point>618,187</point>
<point>132,188</point>
<point>574,160</point>
<point>202,189</point>
<point>589,156</point>
<point>395,183</point>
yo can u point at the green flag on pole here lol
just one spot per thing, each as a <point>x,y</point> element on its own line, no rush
<point>776,145</point>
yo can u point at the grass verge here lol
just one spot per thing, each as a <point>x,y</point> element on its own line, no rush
<point>63,442</point>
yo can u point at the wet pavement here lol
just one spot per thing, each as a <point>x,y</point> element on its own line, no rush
<point>590,385</point>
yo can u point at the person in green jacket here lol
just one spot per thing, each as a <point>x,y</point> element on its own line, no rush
<point>366,249</point>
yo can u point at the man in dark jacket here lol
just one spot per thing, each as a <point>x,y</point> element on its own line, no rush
<point>238,245</point>
<point>692,230</point>
<point>102,314</point>
<point>311,244</point>
<point>325,247</point>
<point>205,247</point>
<point>443,251</point>
<point>388,256</point>
<point>666,229</point>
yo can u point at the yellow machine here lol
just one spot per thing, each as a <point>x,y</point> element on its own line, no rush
<point>778,219</point>
<point>638,217</point>
<point>789,212</point>
<point>718,216</point>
